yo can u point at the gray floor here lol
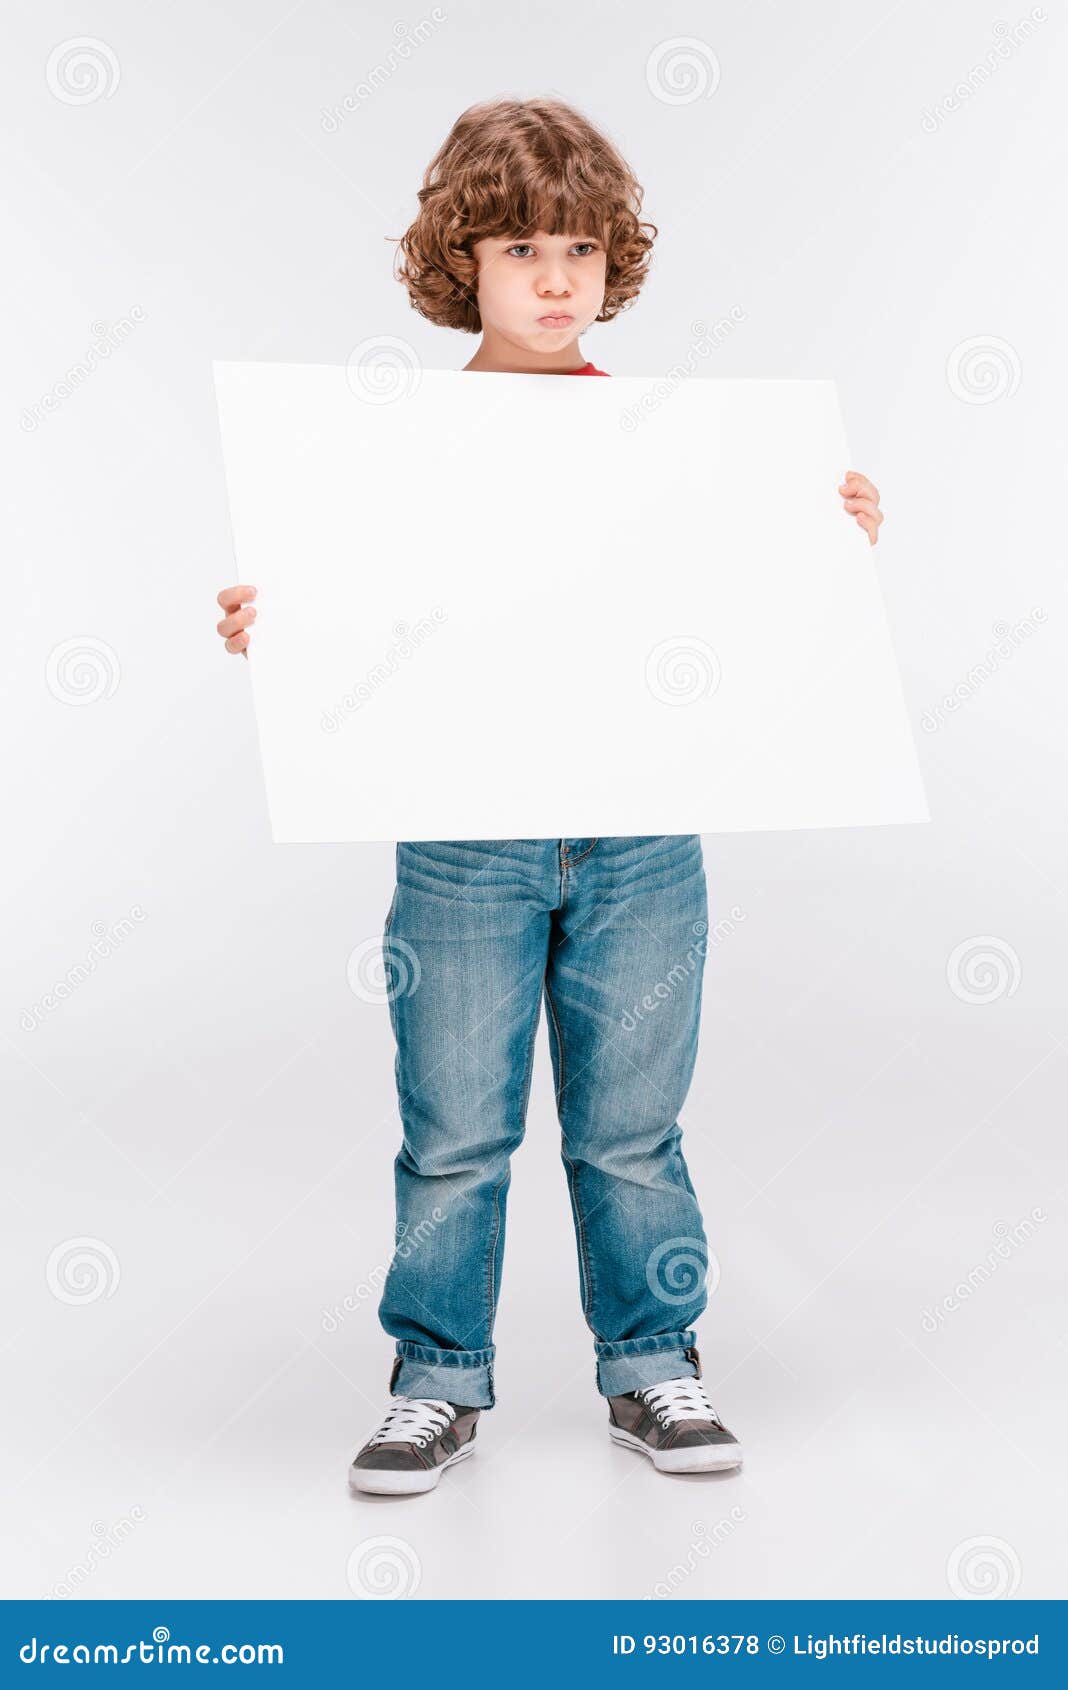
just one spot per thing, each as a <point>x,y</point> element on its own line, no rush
<point>184,1415</point>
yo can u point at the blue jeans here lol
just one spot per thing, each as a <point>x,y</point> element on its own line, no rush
<point>613,932</point>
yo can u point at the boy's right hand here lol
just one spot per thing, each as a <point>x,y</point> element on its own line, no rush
<point>237,618</point>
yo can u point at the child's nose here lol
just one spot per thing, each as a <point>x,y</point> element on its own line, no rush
<point>553,280</point>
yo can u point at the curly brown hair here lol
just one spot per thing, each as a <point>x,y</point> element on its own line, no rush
<point>510,167</point>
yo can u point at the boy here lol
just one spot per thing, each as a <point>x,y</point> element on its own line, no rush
<point>527,233</point>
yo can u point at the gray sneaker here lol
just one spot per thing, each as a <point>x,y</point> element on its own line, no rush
<point>675,1425</point>
<point>417,1440</point>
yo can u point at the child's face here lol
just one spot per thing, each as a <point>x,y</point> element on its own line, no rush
<point>522,281</point>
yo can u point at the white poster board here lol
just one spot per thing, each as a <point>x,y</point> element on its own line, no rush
<point>531,606</point>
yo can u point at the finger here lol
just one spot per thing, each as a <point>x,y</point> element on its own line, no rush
<point>870,527</point>
<point>237,643</point>
<point>862,504</point>
<point>239,619</point>
<point>232,597</point>
<point>856,483</point>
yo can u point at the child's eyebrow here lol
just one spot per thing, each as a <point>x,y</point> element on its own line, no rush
<point>571,240</point>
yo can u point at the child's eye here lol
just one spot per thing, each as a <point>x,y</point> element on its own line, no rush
<point>526,246</point>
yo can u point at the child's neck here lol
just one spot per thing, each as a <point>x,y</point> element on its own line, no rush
<point>505,358</point>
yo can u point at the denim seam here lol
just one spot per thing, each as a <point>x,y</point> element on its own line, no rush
<point>391,1002</point>
<point>562,1081</point>
<point>580,1224</point>
<point>490,1277</point>
<point>572,860</point>
<point>624,1349</point>
<point>432,1355</point>
<point>529,1073</point>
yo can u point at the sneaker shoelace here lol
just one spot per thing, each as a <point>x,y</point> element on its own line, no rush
<point>414,1420</point>
<point>680,1399</point>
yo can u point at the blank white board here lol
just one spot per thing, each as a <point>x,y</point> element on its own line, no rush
<point>535,606</point>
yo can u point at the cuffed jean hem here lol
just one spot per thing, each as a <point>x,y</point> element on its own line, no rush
<point>459,1376</point>
<point>635,1363</point>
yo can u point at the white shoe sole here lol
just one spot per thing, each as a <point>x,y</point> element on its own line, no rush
<point>708,1458</point>
<point>385,1481</point>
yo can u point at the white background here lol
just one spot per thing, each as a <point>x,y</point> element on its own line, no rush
<point>213,1105</point>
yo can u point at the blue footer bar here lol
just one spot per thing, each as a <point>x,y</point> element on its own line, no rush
<point>449,1645</point>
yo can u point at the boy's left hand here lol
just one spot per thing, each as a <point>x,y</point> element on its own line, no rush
<point>861,496</point>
